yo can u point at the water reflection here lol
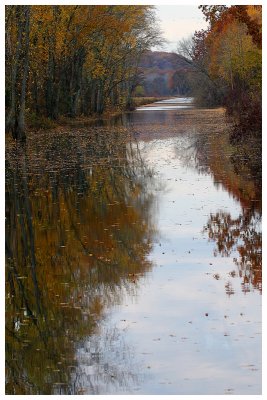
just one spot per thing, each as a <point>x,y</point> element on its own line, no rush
<point>78,230</point>
<point>164,108</point>
<point>176,103</point>
<point>243,236</point>
<point>238,171</point>
<point>86,314</point>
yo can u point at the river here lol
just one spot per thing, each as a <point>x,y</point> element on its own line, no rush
<point>133,259</point>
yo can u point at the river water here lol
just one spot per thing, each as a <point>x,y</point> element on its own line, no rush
<point>134,258</point>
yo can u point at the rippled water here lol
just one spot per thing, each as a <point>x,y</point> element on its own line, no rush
<point>133,260</point>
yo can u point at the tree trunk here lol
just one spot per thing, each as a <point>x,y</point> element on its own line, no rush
<point>100,99</point>
<point>51,92</point>
<point>20,66</point>
<point>53,80</point>
<point>76,81</point>
<point>35,94</point>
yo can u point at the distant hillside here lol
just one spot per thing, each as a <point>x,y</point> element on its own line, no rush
<point>163,74</point>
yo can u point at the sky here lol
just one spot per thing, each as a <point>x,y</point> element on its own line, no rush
<point>178,22</point>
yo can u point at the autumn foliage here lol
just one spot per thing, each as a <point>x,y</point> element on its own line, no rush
<point>229,57</point>
<point>73,59</point>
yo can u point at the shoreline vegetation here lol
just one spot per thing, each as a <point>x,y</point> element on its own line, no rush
<point>226,61</point>
<point>65,60</point>
<point>76,62</point>
<point>36,123</point>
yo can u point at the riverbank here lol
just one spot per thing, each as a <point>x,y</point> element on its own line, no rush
<point>199,120</point>
<point>36,123</point>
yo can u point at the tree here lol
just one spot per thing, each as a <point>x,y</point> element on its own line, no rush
<point>227,57</point>
<point>205,88</point>
<point>17,58</point>
<point>76,59</point>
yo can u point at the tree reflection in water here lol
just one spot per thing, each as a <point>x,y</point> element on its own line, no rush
<point>78,231</point>
<point>238,170</point>
<point>243,235</point>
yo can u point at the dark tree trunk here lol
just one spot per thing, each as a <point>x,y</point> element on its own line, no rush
<point>86,97</point>
<point>53,75</point>
<point>100,99</point>
<point>75,85</point>
<point>93,96</point>
<point>35,94</point>
<point>19,75</point>
<point>51,87</point>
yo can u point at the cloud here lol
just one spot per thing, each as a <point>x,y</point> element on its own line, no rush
<point>178,29</point>
<point>178,22</point>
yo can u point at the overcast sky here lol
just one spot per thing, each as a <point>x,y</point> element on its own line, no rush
<point>178,22</point>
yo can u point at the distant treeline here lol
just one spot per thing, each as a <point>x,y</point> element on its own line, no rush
<point>163,74</point>
<point>227,64</point>
<point>73,60</point>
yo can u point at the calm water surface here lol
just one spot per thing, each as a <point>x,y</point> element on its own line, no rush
<point>133,260</point>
